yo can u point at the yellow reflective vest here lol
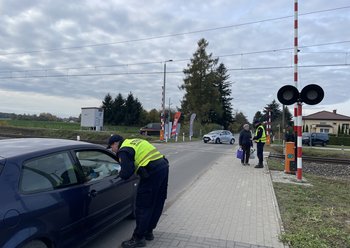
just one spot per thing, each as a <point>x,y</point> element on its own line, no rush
<point>145,152</point>
<point>263,136</point>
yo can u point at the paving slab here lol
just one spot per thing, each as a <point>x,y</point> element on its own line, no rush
<point>228,206</point>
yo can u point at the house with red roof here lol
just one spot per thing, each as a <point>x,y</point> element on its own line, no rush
<point>326,122</point>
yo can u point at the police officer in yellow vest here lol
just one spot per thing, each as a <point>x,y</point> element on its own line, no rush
<point>142,158</point>
<point>260,139</point>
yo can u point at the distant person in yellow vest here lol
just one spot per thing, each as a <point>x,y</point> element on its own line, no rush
<point>260,139</point>
<point>138,156</point>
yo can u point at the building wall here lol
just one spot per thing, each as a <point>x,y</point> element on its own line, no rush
<point>92,117</point>
<point>332,130</point>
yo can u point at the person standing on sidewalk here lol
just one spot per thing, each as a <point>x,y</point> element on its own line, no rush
<point>245,142</point>
<point>260,139</point>
<point>142,158</point>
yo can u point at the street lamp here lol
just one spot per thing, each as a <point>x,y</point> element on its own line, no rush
<point>163,102</point>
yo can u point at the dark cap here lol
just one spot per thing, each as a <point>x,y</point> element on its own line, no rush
<point>114,138</point>
<point>257,122</point>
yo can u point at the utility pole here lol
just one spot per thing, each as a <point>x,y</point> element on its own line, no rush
<point>162,132</point>
<point>169,117</point>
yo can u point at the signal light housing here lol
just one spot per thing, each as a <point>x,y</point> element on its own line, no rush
<point>311,94</point>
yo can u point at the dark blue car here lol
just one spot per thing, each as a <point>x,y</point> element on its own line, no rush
<point>59,193</point>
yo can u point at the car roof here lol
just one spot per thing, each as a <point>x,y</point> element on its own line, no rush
<point>21,146</point>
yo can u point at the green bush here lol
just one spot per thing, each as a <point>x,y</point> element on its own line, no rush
<point>340,140</point>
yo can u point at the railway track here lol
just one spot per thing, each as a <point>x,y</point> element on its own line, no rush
<point>316,159</point>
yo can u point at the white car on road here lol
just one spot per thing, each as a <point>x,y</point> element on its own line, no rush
<point>219,136</point>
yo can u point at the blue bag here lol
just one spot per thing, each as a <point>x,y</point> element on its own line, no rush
<point>239,153</point>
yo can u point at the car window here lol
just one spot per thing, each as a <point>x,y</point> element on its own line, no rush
<point>47,173</point>
<point>97,165</point>
<point>2,164</point>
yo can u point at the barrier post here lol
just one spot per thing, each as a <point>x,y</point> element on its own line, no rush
<point>268,139</point>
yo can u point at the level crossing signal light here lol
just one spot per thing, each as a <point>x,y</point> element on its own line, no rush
<point>287,95</point>
<point>311,94</point>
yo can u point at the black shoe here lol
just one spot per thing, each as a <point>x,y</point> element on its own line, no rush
<point>149,236</point>
<point>247,164</point>
<point>134,242</point>
<point>258,166</point>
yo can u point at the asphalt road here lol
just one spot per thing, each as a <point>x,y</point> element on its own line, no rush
<point>188,161</point>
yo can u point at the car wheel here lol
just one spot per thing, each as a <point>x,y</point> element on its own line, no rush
<point>232,141</point>
<point>205,141</point>
<point>35,244</point>
<point>217,141</point>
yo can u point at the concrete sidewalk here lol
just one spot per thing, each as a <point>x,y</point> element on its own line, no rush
<point>229,206</point>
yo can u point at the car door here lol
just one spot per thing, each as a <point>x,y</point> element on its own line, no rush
<point>52,198</point>
<point>313,140</point>
<point>224,136</point>
<point>109,197</point>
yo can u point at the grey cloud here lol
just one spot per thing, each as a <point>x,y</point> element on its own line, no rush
<point>66,24</point>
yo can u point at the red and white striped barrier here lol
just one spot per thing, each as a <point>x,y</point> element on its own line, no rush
<point>298,105</point>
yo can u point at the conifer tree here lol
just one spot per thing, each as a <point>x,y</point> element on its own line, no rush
<point>224,87</point>
<point>201,95</point>
<point>133,110</point>
<point>275,110</point>
<point>118,110</point>
<point>107,105</point>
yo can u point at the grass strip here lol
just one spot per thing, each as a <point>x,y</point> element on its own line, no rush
<point>316,216</point>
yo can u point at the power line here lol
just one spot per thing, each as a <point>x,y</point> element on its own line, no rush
<point>286,49</point>
<point>178,60</point>
<point>173,35</point>
<point>168,72</point>
<point>287,67</point>
<point>83,67</point>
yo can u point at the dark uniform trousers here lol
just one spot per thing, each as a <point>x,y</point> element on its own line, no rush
<point>259,151</point>
<point>150,198</point>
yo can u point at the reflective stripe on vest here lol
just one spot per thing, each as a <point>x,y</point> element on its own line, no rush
<point>145,152</point>
<point>263,136</point>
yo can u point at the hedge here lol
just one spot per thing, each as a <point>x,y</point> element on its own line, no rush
<point>340,140</point>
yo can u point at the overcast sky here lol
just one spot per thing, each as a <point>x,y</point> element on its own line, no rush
<point>59,56</point>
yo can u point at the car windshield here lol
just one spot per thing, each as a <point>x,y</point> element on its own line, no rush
<point>214,132</point>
